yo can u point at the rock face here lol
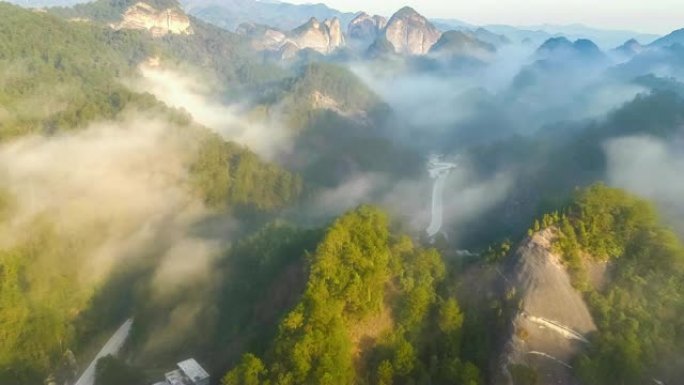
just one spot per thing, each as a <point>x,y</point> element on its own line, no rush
<point>410,33</point>
<point>159,23</point>
<point>324,38</point>
<point>262,37</point>
<point>365,27</point>
<point>553,321</point>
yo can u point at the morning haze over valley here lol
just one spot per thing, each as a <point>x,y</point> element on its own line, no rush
<point>243,192</point>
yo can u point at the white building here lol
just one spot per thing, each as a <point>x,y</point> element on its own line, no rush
<point>189,372</point>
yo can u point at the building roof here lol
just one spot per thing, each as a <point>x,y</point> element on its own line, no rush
<point>193,370</point>
<point>175,377</point>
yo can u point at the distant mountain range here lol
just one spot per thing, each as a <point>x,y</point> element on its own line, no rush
<point>229,14</point>
<point>561,47</point>
<point>46,3</point>
<point>676,37</point>
<point>537,34</point>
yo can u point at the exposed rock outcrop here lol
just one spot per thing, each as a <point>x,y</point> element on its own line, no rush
<point>365,27</point>
<point>410,33</point>
<point>552,321</point>
<point>323,37</point>
<point>142,16</point>
<point>262,37</point>
<point>288,51</point>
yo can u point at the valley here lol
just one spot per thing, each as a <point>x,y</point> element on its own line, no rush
<point>241,192</point>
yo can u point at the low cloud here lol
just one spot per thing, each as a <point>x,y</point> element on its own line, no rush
<point>120,192</point>
<point>466,196</point>
<point>650,168</point>
<point>443,111</point>
<point>356,190</point>
<point>195,96</point>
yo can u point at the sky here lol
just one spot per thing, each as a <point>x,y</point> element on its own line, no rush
<point>648,16</point>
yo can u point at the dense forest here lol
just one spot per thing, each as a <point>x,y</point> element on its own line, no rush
<point>371,313</point>
<point>80,76</point>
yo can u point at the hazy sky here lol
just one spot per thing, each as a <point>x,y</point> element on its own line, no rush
<point>654,16</point>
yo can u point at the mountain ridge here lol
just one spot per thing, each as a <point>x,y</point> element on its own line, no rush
<point>410,33</point>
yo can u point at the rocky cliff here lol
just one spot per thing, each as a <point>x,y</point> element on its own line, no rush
<point>365,27</point>
<point>143,16</point>
<point>262,37</point>
<point>410,33</point>
<point>323,37</point>
<point>552,321</point>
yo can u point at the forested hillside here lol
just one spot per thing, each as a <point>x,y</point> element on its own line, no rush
<point>639,338</point>
<point>105,11</point>
<point>209,47</point>
<point>49,86</point>
<point>372,312</point>
<point>565,156</point>
<point>63,96</point>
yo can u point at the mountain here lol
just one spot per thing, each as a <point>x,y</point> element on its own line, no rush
<point>462,44</point>
<point>560,48</point>
<point>162,16</point>
<point>520,35</point>
<point>604,38</point>
<point>410,33</point>
<point>369,294</point>
<point>629,49</point>
<point>663,57</point>
<point>490,37</point>
<point>553,323</point>
<point>219,52</point>
<point>666,60</point>
<point>159,22</point>
<point>338,124</point>
<point>574,285</point>
<point>451,24</point>
<point>366,28</point>
<point>46,3</point>
<point>322,37</point>
<point>676,37</point>
<point>481,33</point>
<point>229,14</point>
